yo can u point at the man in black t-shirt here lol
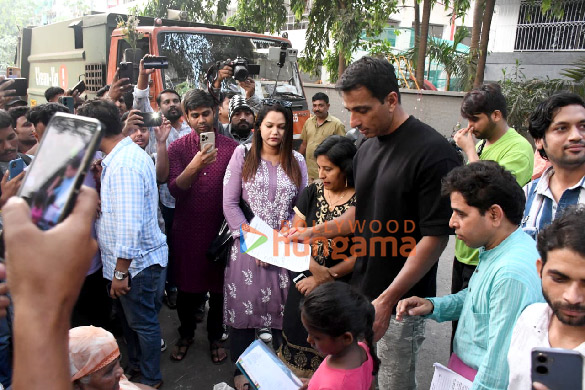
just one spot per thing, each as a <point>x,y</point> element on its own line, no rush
<point>400,222</point>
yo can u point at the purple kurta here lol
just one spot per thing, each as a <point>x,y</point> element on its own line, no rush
<point>254,296</point>
<point>198,214</point>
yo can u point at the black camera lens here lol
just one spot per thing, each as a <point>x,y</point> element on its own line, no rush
<point>543,370</point>
<point>240,72</point>
<point>541,358</point>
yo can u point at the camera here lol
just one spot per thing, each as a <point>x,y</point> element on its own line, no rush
<point>241,68</point>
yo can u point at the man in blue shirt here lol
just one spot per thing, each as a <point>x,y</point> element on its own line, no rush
<point>558,128</point>
<point>131,243</point>
<point>487,205</point>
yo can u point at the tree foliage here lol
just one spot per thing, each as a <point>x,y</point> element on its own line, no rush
<point>209,11</point>
<point>340,23</point>
<point>523,95</point>
<point>259,16</point>
<point>576,72</point>
<point>15,14</point>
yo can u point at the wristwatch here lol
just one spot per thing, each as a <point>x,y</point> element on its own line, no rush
<point>120,275</point>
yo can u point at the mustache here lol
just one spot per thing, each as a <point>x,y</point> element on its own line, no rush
<point>569,307</point>
<point>578,143</point>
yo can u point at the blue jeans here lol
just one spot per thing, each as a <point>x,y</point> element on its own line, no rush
<point>141,306</point>
<point>6,351</point>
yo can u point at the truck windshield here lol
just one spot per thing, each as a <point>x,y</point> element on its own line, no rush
<point>191,54</point>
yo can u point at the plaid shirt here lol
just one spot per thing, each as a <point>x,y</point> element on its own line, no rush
<point>142,103</point>
<point>127,227</point>
<point>542,208</point>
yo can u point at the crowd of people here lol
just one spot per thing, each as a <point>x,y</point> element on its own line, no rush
<point>376,212</point>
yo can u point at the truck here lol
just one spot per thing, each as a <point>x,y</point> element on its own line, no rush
<point>91,47</point>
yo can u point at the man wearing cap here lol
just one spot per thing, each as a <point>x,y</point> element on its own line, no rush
<point>241,118</point>
<point>94,361</point>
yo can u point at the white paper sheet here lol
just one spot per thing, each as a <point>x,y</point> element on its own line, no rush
<point>446,379</point>
<point>268,245</point>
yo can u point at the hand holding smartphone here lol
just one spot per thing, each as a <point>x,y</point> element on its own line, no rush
<point>15,167</point>
<point>52,182</point>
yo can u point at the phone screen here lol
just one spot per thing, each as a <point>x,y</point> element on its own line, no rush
<point>59,167</point>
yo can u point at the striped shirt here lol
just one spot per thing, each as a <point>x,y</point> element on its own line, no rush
<point>127,227</point>
<point>542,208</point>
<point>503,284</point>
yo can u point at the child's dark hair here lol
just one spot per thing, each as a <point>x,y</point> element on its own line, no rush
<point>335,308</point>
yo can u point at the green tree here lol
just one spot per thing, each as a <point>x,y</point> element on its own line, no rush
<point>340,23</point>
<point>15,15</point>
<point>208,11</point>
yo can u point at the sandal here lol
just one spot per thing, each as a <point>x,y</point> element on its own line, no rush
<point>181,348</point>
<point>214,349</point>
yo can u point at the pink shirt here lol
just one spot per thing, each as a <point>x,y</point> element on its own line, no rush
<point>327,378</point>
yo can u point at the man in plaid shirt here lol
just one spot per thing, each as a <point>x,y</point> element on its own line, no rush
<point>134,250</point>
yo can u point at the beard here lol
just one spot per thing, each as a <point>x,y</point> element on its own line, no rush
<point>567,320</point>
<point>173,114</point>
<point>242,129</point>
<point>488,131</point>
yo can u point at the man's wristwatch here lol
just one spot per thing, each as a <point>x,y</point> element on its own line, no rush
<point>120,275</point>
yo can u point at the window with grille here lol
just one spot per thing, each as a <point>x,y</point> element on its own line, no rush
<point>538,32</point>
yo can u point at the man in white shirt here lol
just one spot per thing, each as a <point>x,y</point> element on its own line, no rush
<point>559,323</point>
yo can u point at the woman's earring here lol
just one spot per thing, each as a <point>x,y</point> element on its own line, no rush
<point>346,182</point>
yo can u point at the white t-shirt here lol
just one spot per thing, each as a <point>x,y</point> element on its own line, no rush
<point>530,331</point>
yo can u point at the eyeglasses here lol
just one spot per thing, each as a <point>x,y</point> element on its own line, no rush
<point>275,102</point>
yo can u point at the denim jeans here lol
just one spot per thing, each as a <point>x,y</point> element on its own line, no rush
<point>398,351</point>
<point>5,351</point>
<point>141,306</point>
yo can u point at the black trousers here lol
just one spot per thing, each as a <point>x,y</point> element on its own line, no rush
<point>240,339</point>
<point>187,304</point>
<point>93,306</point>
<point>459,280</point>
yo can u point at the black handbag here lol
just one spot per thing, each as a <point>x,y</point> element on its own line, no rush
<point>219,250</point>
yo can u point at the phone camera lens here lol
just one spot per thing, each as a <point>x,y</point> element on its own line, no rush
<point>541,358</point>
<point>543,370</point>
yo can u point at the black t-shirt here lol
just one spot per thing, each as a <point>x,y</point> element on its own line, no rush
<point>398,191</point>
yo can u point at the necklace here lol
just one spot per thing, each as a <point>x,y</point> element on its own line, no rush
<point>333,204</point>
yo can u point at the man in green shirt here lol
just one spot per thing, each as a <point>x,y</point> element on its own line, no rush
<point>486,112</point>
<point>316,129</point>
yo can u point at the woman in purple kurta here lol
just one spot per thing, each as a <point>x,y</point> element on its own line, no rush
<point>255,294</point>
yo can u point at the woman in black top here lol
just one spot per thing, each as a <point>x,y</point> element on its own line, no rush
<point>321,201</point>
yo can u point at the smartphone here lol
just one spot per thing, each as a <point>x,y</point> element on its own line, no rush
<point>15,167</point>
<point>207,138</point>
<point>68,102</point>
<point>156,62</point>
<point>126,71</point>
<point>299,277</point>
<point>151,119</point>
<point>558,369</point>
<point>79,87</point>
<point>54,177</point>
<point>20,86</point>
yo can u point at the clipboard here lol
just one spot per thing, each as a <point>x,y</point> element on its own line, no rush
<point>264,370</point>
